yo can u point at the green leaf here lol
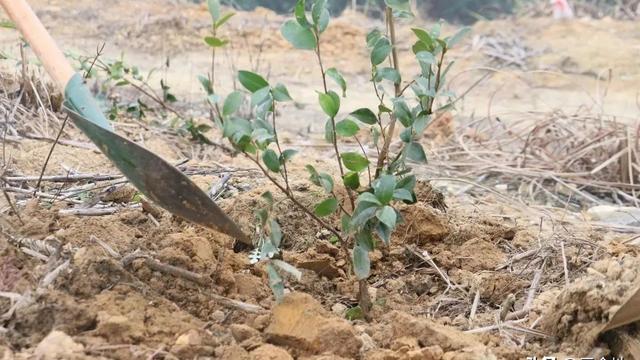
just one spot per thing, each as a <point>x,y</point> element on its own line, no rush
<point>301,15</point>
<point>384,232</point>
<point>401,5</point>
<point>365,115</point>
<point>354,313</point>
<point>415,152</point>
<point>297,274</point>
<point>347,128</point>
<point>206,84</point>
<point>372,37</point>
<point>354,161</point>
<point>402,112</point>
<point>383,188</point>
<point>261,97</point>
<point>275,283</point>
<point>424,38</point>
<point>381,51</point>
<point>280,93</point>
<point>320,15</point>
<point>288,154</point>
<point>361,263</point>
<point>351,180</point>
<point>364,239</point>
<point>455,39</point>
<point>407,183</point>
<point>252,81</point>
<point>387,216</point>
<point>339,79</point>
<point>299,36</point>
<point>276,233</point>
<point>326,181</point>
<point>215,42</point>
<point>262,137</point>
<point>368,197</point>
<point>214,9</point>
<point>271,160</point>
<point>223,19</point>
<point>402,194</point>
<point>268,198</point>
<point>330,103</point>
<point>328,131</point>
<point>326,207</point>
<point>425,57</point>
<point>361,217</point>
<point>7,24</point>
<point>232,103</point>
<point>388,73</point>
<point>313,174</point>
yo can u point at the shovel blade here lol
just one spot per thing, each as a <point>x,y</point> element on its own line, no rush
<point>160,181</point>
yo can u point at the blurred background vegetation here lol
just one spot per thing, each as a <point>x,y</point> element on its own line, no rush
<point>456,11</point>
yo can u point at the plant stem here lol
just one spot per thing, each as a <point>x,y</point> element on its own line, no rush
<point>333,120</point>
<point>398,91</point>
<point>296,202</point>
<point>438,80</point>
<point>285,174</point>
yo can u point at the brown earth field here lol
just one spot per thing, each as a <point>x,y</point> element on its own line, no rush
<point>503,256</point>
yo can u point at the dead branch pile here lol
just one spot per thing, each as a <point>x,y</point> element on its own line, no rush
<point>504,50</point>
<point>555,159</point>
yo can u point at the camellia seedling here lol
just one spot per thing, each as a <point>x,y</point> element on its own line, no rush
<point>375,185</point>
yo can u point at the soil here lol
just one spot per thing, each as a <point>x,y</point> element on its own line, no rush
<point>453,284</point>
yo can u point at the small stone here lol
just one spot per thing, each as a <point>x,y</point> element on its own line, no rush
<point>190,338</point>
<point>261,322</point>
<point>339,309</point>
<point>325,247</point>
<point>270,352</point>
<point>218,316</point>
<point>58,345</point>
<point>241,332</point>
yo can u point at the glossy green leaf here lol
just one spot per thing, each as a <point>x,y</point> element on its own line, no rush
<point>275,283</point>
<point>361,263</point>
<point>351,180</point>
<point>387,216</point>
<point>425,38</point>
<point>384,187</point>
<point>299,36</point>
<point>381,51</point>
<point>359,218</point>
<point>288,154</point>
<point>388,73</point>
<point>354,161</point>
<point>347,128</point>
<point>301,15</point>
<point>402,112</point>
<point>372,37</point>
<point>215,42</point>
<point>271,160</point>
<point>329,135</point>
<point>339,79</point>
<point>275,234</point>
<point>364,239</point>
<point>425,57</point>
<point>232,103</point>
<point>326,181</point>
<point>326,207</point>
<point>365,115</point>
<point>206,84</point>
<point>252,81</point>
<point>402,194</point>
<point>415,152</point>
<point>330,103</point>
<point>214,9</point>
<point>223,19</point>
<point>368,197</point>
<point>280,93</point>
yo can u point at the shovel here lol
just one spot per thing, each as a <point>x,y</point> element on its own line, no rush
<point>154,177</point>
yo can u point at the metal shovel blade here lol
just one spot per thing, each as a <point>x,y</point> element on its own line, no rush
<point>160,181</point>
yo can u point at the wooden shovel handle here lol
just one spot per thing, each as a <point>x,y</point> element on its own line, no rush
<point>40,41</point>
